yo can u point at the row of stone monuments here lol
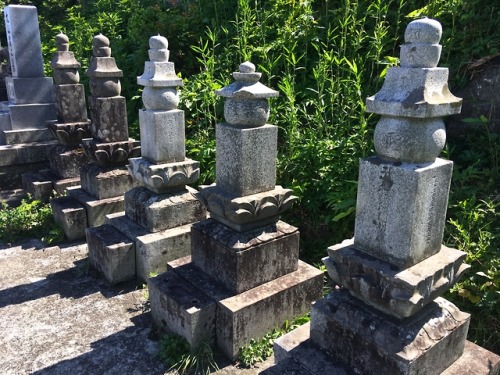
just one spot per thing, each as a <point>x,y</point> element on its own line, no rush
<point>236,275</point>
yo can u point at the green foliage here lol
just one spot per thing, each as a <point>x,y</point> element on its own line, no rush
<point>258,350</point>
<point>31,219</point>
<point>474,227</point>
<point>175,352</point>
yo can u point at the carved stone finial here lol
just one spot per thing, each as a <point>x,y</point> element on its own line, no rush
<point>421,48</point>
<point>100,46</point>
<point>64,63</point>
<point>159,79</point>
<point>246,104</point>
<point>62,42</point>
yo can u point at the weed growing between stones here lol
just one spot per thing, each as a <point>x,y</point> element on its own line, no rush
<point>259,350</point>
<point>175,351</point>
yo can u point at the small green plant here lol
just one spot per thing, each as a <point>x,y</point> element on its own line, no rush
<point>175,351</point>
<point>31,219</point>
<point>260,349</point>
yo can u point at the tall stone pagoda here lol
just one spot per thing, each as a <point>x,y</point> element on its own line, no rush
<point>156,225</point>
<point>70,128</point>
<point>25,140</point>
<point>243,277</point>
<point>105,179</point>
<point>389,317</point>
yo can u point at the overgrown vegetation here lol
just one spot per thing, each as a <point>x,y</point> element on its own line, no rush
<point>175,351</point>
<point>325,57</point>
<point>31,219</point>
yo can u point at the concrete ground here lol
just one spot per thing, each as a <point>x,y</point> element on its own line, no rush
<point>57,316</point>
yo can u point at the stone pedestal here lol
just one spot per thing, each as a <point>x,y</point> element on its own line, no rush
<point>389,316</point>
<point>69,129</point>
<point>24,137</point>
<point>244,277</point>
<point>104,178</point>
<point>158,215</point>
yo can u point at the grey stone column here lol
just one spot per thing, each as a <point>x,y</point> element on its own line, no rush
<point>389,317</point>
<point>244,276</point>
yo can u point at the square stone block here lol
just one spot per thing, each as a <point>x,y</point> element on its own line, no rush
<point>401,209</point>
<point>109,119</point>
<point>383,286</point>
<point>97,209</point>
<point>255,312</point>
<point>157,212</point>
<point>19,136</point>
<point>67,163</point>
<point>154,250</point>
<point>242,261</point>
<point>61,186</point>
<point>31,116</point>
<point>246,158</point>
<point>37,186</point>
<point>70,103</point>
<point>71,216</point>
<point>162,135</point>
<point>370,342</point>
<point>30,90</point>
<point>23,38</point>
<point>179,307</point>
<point>102,183</point>
<point>111,253</point>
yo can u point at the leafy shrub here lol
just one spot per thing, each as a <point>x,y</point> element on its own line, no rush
<point>31,219</point>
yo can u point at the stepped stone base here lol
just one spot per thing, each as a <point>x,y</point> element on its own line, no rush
<point>97,209</point>
<point>296,354</point>
<point>103,183</point>
<point>13,137</point>
<point>190,303</point>
<point>151,251</point>
<point>42,184</point>
<point>71,216</point>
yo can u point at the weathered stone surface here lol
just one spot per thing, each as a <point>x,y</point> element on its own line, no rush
<point>246,159</point>
<point>369,342</point>
<point>25,153</point>
<point>104,183</point>
<point>111,153</point>
<point>255,312</point>
<point>20,136</point>
<point>97,209</point>
<point>295,351</point>
<point>159,212</point>
<point>154,250</point>
<point>381,285</point>
<point>415,92</point>
<point>162,135</point>
<point>61,186</point>
<point>11,175</point>
<point>178,307</point>
<point>162,178</point>
<point>23,37</point>
<point>71,216</point>
<point>30,90</point>
<point>109,119</point>
<point>111,253</point>
<point>37,185</point>
<point>70,134</point>
<point>248,212</point>
<point>242,261</point>
<point>401,209</point>
<point>67,163</point>
<point>29,116</point>
<point>70,103</point>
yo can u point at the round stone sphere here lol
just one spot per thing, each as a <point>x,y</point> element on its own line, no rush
<point>66,76</point>
<point>420,55</point>
<point>409,140</point>
<point>246,112</point>
<point>425,30</point>
<point>105,87</point>
<point>166,98</point>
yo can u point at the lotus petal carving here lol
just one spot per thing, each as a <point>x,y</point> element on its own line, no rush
<point>111,154</point>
